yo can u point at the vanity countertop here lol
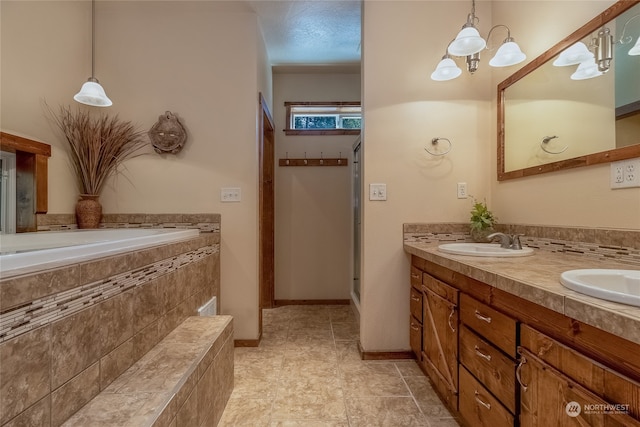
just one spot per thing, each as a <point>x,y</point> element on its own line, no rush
<point>536,278</point>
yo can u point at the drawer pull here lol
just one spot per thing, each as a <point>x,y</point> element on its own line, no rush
<point>485,356</point>
<point>485,404</point>
<point>414,327</point>
<point>453,310</point>
<point>523,360</point>
<point>482,317</point>
<point>416,299</point>
<point>415,276</point>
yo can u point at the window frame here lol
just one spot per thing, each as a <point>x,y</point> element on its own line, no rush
<point>291,131</point>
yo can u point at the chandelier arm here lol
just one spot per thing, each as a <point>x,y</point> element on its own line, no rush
<point>621,40</point>
<point>491,30</point>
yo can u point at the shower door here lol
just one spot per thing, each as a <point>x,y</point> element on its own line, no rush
<point>357,214</point>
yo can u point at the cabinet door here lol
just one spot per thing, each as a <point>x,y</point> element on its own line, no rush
<point>440,344</point>
<point>549,398</point>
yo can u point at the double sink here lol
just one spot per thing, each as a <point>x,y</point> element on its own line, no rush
<point>615,285</point>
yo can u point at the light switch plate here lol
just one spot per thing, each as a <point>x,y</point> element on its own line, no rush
<point>378,192</point>
<point>230,194</point>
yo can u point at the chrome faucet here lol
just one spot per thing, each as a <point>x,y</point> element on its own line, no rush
<point>507,241</point>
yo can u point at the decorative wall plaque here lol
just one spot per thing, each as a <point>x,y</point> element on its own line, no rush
<point>168,135</point>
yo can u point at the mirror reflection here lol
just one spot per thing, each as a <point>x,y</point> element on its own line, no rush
<point>588,102</point>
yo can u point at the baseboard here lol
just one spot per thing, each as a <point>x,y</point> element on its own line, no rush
<point>384,355</point>
<point>283,302</point>
<point>246,343</point>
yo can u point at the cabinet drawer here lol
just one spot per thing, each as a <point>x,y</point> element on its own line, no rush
<point>489,365</point>
<point>416,304</point>
<point>496,327</point>
<point>415,337</point>
<point>416,277</point>
<point>478,407</point>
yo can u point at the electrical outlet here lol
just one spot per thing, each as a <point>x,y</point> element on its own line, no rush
<point>378,192</point>
<point>462,190</point>
<point>229,194</point>
<point>625,174</point>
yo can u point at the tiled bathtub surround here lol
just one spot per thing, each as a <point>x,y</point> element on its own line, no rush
<point>602,244</point>
<point>54,307</point>
<point>48,373</point>
<point>204,222</point>
<point>185,380</point>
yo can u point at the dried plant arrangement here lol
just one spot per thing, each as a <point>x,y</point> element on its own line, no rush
<point>97,145</point>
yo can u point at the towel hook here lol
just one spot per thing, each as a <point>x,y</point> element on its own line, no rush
<point>287,161</point>
<point>321,158</point>
<point>434,143</point>
<point>546,140</point>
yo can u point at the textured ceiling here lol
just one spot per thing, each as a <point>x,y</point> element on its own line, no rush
<point>317,32</point>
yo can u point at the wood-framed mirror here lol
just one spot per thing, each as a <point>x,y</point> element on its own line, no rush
<point>548,121</point>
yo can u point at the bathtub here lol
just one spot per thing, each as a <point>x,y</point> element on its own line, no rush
<point>30,252</point>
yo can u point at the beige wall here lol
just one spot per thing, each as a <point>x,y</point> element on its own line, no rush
<point>404,109</point>
<point>204,61</point>
<point>313,216</point>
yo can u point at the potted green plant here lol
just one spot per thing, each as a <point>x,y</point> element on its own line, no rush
<point>96,146</point>
<point>482,221</point>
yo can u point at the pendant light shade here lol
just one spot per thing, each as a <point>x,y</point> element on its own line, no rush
<point>573,55</point>
<point>586,70</point>
<point>446,70</point>
<point>508,54</point>
<point>635,50</point>
<point>467,42</point>
<point>91,92</point>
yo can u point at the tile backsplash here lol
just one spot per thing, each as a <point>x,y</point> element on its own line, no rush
<point>598,243</point>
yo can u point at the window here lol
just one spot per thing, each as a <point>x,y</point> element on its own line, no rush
<point>323,118</point>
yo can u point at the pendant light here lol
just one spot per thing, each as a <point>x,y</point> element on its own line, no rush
<point>468,40</point>
<point>91,92</point>
<point>468,44</point>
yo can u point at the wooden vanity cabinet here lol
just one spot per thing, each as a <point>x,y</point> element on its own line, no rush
<point>440,337</point>
<point>498,360</point>
<point>415,306</point>
<point>560,387</point>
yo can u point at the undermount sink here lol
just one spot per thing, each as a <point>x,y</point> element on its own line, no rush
<point>483,249</point>
<point>608,284</point>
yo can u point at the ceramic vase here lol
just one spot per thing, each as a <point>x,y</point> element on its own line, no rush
<point>88,211</point>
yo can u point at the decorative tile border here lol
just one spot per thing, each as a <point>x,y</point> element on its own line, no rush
<point>206,223</point>
<point>42,311</point>
<point>602,244</point>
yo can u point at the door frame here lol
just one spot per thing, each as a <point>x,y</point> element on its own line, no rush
<point>266,253</point>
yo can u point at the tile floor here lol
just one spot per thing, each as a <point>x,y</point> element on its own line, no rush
<point>307,372</point>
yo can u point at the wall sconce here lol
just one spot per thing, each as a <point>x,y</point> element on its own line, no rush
<point>91,92</point>
<point>469,43</point>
